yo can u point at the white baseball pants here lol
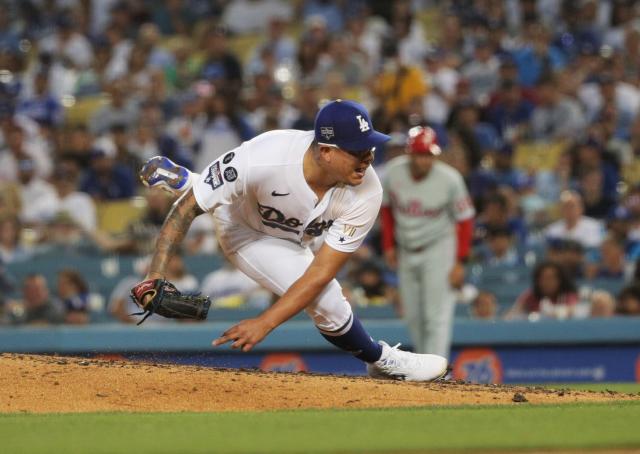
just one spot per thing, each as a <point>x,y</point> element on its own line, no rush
<point>276,264</point>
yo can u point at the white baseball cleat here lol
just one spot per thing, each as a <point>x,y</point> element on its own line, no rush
<point>395,364</point>
<point>163,172</point>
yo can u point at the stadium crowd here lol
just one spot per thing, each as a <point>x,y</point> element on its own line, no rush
<point>535,102</point>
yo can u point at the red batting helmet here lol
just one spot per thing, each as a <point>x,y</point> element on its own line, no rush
<point>423,139</point>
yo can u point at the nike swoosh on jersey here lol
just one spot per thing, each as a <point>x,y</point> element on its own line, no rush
<point>277,194</point>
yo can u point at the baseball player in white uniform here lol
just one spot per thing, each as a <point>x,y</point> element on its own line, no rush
<point>427,222</point>
<point>272,198</point>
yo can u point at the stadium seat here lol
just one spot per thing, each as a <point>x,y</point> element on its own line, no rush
<point>114,216</point>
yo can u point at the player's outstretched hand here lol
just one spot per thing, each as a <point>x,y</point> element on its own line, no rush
<point>245,335</point>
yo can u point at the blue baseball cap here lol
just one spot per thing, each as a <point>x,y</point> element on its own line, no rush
<point>346,124</point>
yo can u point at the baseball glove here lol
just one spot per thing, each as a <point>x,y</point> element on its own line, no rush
<point>166,300</point>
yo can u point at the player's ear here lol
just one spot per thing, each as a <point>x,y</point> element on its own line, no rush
<point>324,153</point>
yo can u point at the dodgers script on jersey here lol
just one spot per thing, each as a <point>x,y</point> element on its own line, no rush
<point>441,199</point>
<point>259,189</point>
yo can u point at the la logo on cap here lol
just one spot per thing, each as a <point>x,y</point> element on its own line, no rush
<point>364,125</point>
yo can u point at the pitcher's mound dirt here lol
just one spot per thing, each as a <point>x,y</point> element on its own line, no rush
<point>42,384</point>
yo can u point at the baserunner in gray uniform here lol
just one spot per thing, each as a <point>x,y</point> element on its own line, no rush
<point>427,221</point>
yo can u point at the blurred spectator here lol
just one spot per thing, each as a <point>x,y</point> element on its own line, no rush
<point>556,116</point>
<point>174,17</point>
<point>119,46</point>
<point>570,254</point>
<point>226,129</point>
<point>536,56</point>
<point>573,225</point>
<point>407,31</point>
<point>398,84</point>
<point>629,301</point>
<point>180,275</point>
<point>42,107</point>
<point>18,148</point>
<point>597,204</point>
<point>75,143</point>
<point>504,171</point>
<point>497,214</point>
<point>79,206</point>
<point>122,108</point>
<point>250,16</point>
<point>37,306</point>
<point>307,105</point>
<point>307,61</point>
<point>480,137</point>
<point>611,262</point>
<point>602,305</point>
<point>365,33</point>
<point>149,39</point>
<point>498,249</point>
<point>221,67</point>
<point>187,128</point>
<point>201,237</point>
<point>73,291</point>
<point>11,248</point>
<point>368,286</point>
<point>37,196</point>
<point>330,12</point>
<point>551,183</point>
<point>66,42</point>
<point>482,72</point>
<point>443,79</point>
<point>281,45</point>
<point>341,58</point>
<point>552,295</point>
<point>510,113</point>
<point>107,178</point>
<point>484,306</point>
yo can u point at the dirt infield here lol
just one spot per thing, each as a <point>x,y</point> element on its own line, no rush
<point>50,384</point>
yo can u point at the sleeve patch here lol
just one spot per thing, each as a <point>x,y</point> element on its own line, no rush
<point>349,230</point>
<point>230,174</point>
<point>214,178</point>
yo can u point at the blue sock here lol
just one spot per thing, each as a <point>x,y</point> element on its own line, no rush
<point>356,341</point>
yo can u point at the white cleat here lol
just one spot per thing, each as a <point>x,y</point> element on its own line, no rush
<point>395,364</point>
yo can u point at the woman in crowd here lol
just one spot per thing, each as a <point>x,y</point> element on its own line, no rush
<point>552,295</point>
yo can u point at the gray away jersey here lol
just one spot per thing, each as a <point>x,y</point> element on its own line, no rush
<point>425,210</point>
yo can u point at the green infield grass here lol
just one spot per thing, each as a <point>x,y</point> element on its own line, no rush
<point>463,429</point>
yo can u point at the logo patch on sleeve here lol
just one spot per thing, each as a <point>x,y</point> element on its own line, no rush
<point>349,230</point>
<point>228,157</point>
<point>214,179</point>
<point>230,174</point>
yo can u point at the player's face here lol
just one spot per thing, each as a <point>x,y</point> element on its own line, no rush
<point>351,168</point>
<point>421,163</point>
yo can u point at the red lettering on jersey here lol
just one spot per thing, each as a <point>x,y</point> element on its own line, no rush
<point>414,208</point>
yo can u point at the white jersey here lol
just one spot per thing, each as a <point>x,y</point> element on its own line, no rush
<point>259,189</point>
<point>426,210</point>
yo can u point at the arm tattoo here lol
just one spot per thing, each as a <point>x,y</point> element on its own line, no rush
<point>175,227</point>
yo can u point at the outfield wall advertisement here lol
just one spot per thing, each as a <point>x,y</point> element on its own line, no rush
<point>478,365</point>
